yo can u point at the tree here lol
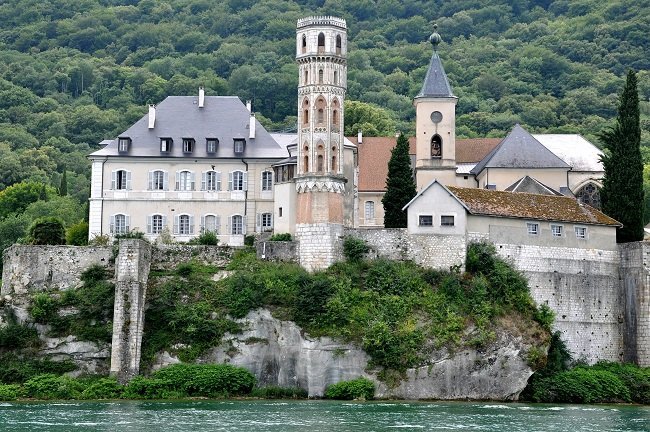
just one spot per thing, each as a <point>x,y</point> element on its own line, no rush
<point>63,188</point>
<point>46,231</point>
<point>622,192</point>
<point>400,186</point>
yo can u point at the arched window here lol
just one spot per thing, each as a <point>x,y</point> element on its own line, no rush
<point>304,44</point>
<point>336,78</point>
<point>335,112</point>
<point>238,181</point>
<point>320,76</point>
<point>305,112</point>
<point>334,167</point>
<point>121,180</point>
<point>306,77</point>
<point>237,225</point>
<point>321,116</point>
<point>119,224</point>
<point>436,147</point>
<point>321,43</point>
<point>184,225</point>
<point>320,163</point>
<point>211,181</point>
<point>320,106</point>
<point>157,180</point>
<point>338,44</point>
<point>306,164</point>
<point>155,224</point>
<point>210,223</point>
<point>589,194</point>
<point>185,181</point>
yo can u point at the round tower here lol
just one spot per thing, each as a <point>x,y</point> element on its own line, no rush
<point>321,48</point>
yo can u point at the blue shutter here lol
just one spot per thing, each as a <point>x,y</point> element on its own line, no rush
<point>128,180</point>
<point>230,181</point>
<point>204,181</point>
<point>113,179</point>
<point>149,224</point>
<point>165,180</point>
<point>150,180</point>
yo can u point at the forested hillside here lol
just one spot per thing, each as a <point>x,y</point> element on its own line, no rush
<point>73,72</point>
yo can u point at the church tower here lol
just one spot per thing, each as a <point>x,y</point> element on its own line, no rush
<point>435,129</point>
<point>321,45</point>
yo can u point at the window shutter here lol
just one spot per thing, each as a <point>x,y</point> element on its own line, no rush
<point>111,228</point>
<point>192,224</point>
<point>217,224</point>
<point>228,225</point>
<point>178,180</point>
<point>229,181</point>
<point>243,225</point>
<point>258,222</point>
<point>204,178</point>
<point>128,180</point>
<point>127,221</point>
<point>271,216</point>
<point>202,227</point>
<point>218,179</point>
<point>164,222</point>
<point>149,224</point>
<point>176,224</point>
<point>113,179</point>
<point>245,181</point>
<point>165,180</point>
<point>192,180</point>
<point>150,180</point>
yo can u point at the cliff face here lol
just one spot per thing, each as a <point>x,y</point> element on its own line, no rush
<point>279,353</point>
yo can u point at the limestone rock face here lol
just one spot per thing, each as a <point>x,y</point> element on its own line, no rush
<point>279,353</point>
<point>90,357</point>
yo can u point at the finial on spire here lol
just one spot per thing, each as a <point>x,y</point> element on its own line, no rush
<point>435,38</point>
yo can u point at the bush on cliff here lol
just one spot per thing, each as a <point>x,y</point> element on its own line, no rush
<point>360,388</point>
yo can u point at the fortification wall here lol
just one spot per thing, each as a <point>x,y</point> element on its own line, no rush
<point>635,289</point>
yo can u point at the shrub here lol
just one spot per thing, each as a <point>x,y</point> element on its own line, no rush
<point>18,369</point>
<point>206,238</point>
<point>77,234</point>
<point>545,316</point>
<point>104,388</point>
<point>46,231</point>
<point>249,240</point>
<point>49,386</point>
<point>208,380</point>
<point>582,385</point>
<point>93,274</point>
<point>99,240</point>
<point>360,388</point>
<point>394,277</point>
<point>281,237</point>
<point>354,249</point>
<point>9,392</point>
<point>132,234</point>
<point>151,388</point>
<point>276,392</point>
<point>18,336</point>
<point>43,308</point>
<point>311,299</point>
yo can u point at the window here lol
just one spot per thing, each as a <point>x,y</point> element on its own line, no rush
<point>304,44</point>
<point>123,144</point>
<point>319,163</point>
<point>321,43</point>
<point>581,232</point>
<point>436,147</point>
<point>211,181</point>
<point>556,230</point>
<point>188,145</point>
<point>370,211</point>
<point>237,225</point>
<point>589,194</point>
<point>157,180</point>
<point>267,181</point>
<point>211,145</point>
<point>155,224</point>
<point>320,76</point>
<point>266,222</point>
<point>446,220</point>
<point>210,223</point>
<point>280,211</point>
<point>305,112</point>
<point>336,77</point>
<point>119,224</point>
<point>237,181</point>
<point>166,144</point>
<point>185,181</point>
<point>306,164</point>
<point>533,228</point>
<point>338,44</point>
<point>184,225</point>
<point>121,180</point>
<point>240,144</point>
<point>426,220</point>
<point>306,81</point>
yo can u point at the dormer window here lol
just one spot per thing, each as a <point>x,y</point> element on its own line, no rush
<point>166,144</point>
<point>240,145</point>
<point>188,145</point>
<point>211,145</point>
<point>123,144</point>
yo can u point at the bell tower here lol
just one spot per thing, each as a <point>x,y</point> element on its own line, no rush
<point>435,129</point>
<point>321,47</point>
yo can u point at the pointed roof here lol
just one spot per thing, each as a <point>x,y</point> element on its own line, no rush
<point>520,150</point>
<point>531,185</point>
<point>435,83</point>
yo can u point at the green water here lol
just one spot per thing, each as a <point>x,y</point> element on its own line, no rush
<point>313,416</point>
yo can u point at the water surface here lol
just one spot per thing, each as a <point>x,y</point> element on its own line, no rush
<point>315,416</point>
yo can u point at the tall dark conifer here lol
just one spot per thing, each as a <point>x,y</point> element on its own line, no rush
<point>400,186</point>
<point>622,192</point>
<point>63,188</point>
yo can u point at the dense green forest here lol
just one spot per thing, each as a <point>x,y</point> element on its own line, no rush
<point>74,72</point>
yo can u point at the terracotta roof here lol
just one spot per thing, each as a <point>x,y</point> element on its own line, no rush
<point>374,154</point>
<point>473,150</point>
<point>529,206</point>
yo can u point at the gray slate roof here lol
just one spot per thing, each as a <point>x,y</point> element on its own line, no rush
<point>531,185</point>
<point>436,83</point>
<point>519,150</point>
<point>178,117</point>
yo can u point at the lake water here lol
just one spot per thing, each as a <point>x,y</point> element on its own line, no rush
<point>314,416</point>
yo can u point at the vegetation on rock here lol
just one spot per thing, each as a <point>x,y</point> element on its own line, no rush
<point>360,388</point>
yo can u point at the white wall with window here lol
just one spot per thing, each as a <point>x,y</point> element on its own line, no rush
<point>120,224</point>
<point>532,228</point>
<point>183,225</point>
<point>185,181</point>
<point>237,181</point>
<point>158,180</point>
<point>156,223</point>
<point>211,181</point>
<point>557,230</point>
<point>211,223</point>
<point>120,179</point>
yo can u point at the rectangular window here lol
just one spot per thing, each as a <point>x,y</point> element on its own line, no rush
<point>239,145</point>
<point>237,181</point>
<point>533,228</point>
<point>267,222</point>
<point>280,212</point>
<point>581,232</point>
<point>267,181</point>
<point>237,227</point>
<point>188,145</point>
<point>156,224</point>
<point>426,220</point>
<point>123,144</point>
<point>211,145</point>
<point>446,220</point>
<point>557,230</point>
<point>370,211</point>
<point>166,144</point>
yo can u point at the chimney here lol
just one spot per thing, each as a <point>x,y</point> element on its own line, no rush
<point>201,97</point>
<point>251,129</point>
<point>248,105</point>
<point>152,116</point>
<point>360,137</point>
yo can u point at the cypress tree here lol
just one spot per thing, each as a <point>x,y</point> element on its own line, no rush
<point>63,189</point>
<point>622,192</point>
<point>400,186</point>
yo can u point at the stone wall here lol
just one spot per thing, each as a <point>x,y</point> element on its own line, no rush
<point>635,288</point>
<point>319,244</point>
<point>277,251</point>
<point>170,256</point>
<point>38,268</point>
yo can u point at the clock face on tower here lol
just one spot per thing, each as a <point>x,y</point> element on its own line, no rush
<point>436,117</point>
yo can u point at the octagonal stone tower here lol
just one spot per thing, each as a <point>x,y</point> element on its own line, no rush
<point>321,47</point>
